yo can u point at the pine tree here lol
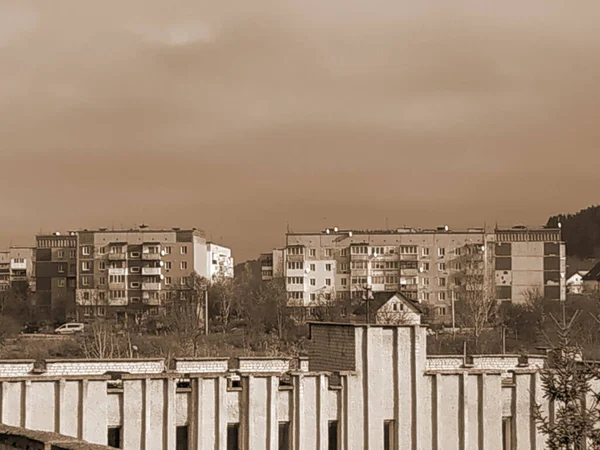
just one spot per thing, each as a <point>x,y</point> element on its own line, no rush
<point>567,384</point>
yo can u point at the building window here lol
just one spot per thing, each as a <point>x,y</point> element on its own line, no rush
<point>168,265</point>
<point>442,282</point>
<point>441,266</point>
<point>71,254</point>
<point>183,281</point>
<point>284,436</point>
<point>328,267</point>
<point>344,252</point>
<point>441,310</point>
<point>425,251</point>
<point>101,311</point>
<point>102,265</point>
<point>425,296</point>
<point>183,265</point>
<point>167,250</point>
<point>167,280</point>
<point>296,265</point>
<point>101,250</point>
<point>333,435</point>
<point>181,438</point>
<point>233,432</point>
<point>61,282</point>
<point>313,281</point>
<point>85,266</point>
<point>101,296</point>
<point>389,435</point>
<point>344,281</point>
<point>135,269</point>
<point>327,281</point>
<point>408,249</point>
<point>87,311</point>
<point>295,280</point>
<point>441,296</point>
<point>441,252</point>
<point>344,267</point>
<point>328,252</point>
<point>114,437</point>
<point>425,281</point>
<point>86,295</point>
<point>135,285</point>
<point>85,250</point>
<point>312,252</point>
<point>61,268</point>
<point>61,254</point>
<point>184,250</point>
<point>425,267</point>
<point>85,281</point>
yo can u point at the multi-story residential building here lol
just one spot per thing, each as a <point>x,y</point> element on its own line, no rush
<point>112,272</point>
<point>124,270</point>
<point>55,275</point>
<point>271,264</point>
<point>529,261</point>
<point>219,261</point>
<point>16,268</point>
<point>436,266</point>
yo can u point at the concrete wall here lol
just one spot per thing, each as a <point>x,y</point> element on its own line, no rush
<point>367,376</point>
<point>100,367</point>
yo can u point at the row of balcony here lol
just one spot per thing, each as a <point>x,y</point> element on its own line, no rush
<point>144,256</point>
<point>143,286</point>
<point>145,271</point>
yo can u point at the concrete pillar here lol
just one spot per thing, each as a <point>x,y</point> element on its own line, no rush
<point>298,420</point>
<point>343,413</point>
<point>169,417</point>
<point>366,387</point>
<point>2,400</point>
<point>221,410</point>
<point>465,443</point>
<point>491,411</point>
<point>26,404</point>
<point>60,406</point>
<point>146,409</point>
<point>436,413</point>
<point>273,428</point>
<point>396,390</point>
<point>538,439</point>
<point>82,425</point>
<point>322,430</point>
<point>196,422</point>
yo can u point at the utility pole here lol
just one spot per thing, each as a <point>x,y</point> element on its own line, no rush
<point>206,311</point>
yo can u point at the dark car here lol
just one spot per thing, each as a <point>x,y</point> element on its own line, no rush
<point>31,328</point>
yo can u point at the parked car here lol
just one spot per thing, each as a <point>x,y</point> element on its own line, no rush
<point>70,328</point>
<point>31,328</point>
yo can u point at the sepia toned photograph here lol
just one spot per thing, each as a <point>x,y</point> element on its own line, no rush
<point>300,225</point>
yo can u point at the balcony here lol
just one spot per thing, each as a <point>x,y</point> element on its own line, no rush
<point>121,256</point>
<point>19,278</point>
<point>18,265</point>
<point>151,270</point>
<point>408,257</point>
<point>117,286</point>
<point>151,286</point>
<point>121,301</point>
<point>295,258</point>
<point>151,256</point>
<point>409,287</point>
<point>150,300</point>
<point>117,271</point>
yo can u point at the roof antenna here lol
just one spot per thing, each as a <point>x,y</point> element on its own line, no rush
<point>288,226</point>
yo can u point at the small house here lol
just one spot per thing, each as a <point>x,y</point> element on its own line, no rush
<point>389,308</point>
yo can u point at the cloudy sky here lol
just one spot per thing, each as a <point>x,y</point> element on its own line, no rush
<point>241,116</point>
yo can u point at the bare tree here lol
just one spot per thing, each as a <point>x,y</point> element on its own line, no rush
<point>101,341</point>
<point>224,293</point>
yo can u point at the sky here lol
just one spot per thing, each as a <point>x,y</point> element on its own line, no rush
<point>245,117</point>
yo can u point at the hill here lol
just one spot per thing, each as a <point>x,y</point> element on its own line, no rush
<point>581,232</point>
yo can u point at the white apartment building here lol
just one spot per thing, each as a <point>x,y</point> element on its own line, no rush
<point>219,261</point>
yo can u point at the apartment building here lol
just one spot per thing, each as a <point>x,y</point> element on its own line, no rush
<point>120,271</point>
<point>55,270</point>
<point>271,264</point>
<point>113,272</point>
<point>16,268</point>
<point>219,261</point>
<point>437,266</point>
<point>529,260</point>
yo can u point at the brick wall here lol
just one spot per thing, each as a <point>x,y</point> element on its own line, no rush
<point>332,348</point>
<point>16,368</point>
<point>58,367</point>
<point>444,362</point>
<point>276,365</point>
<point>495,362</point>
<point>201,365</point>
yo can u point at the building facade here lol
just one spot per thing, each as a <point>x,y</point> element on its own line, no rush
<point>362,387</point>
<point>111,273</point>
<point>16,268</point>
<point>434,266</point>
<point>55,271</point>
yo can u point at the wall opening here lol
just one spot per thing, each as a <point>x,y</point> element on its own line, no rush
<point>284,436</point>
<point>507,433</point>
<point>333,435</point>
<point>182,438</point>
<point>389,435</point>
<point>114,437</point>
<point>233,436</point>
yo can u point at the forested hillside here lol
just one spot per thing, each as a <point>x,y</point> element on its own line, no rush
<point>581,231</point>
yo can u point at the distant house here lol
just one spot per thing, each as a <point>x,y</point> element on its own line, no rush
<point>390,308</point>
<point>575,282</point>
<point>591,280</point>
